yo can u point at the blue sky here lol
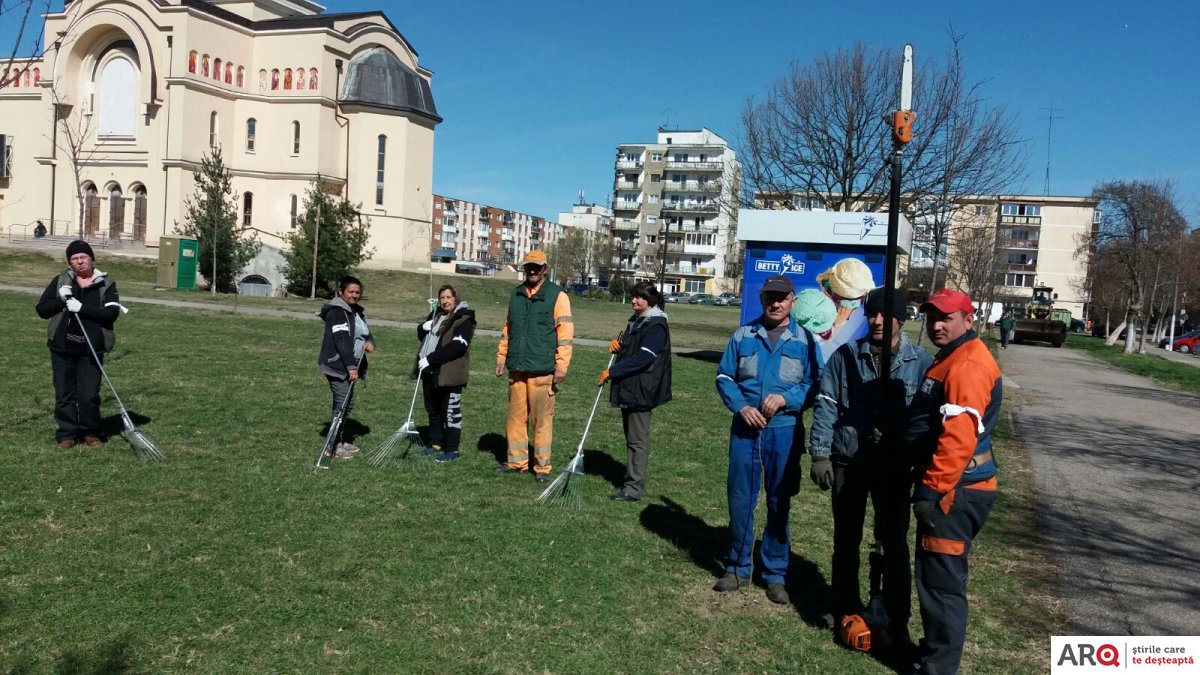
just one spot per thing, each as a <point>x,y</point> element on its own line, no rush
<point>537,95</point>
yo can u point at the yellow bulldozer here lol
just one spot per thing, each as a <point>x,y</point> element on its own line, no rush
<point>1041,321</point>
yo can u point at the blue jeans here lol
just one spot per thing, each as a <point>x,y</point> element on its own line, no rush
<point>761,457</point>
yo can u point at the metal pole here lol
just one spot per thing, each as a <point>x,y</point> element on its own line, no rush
<point>662,267</point>
<point>889,270</point>
<point>212,283</point>
<point>316,238</point>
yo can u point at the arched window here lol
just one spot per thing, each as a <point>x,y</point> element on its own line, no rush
<point>217,70</point>
<point>241,77</point>
<point>117,89</point>
<point>204,66</point>
<point>139,213</point>
<point>312,79</point>
<point>247,209</point>
<point>382,156</point>
<point>192,61</point>
<point>300,78</point>
<point>295,211</point>
<point>262,80</point>
<point>91,209</point>
<point>27,76</point>
<point>37,76</point>
<point>274,79</point>
<point>295,138</point>
<point>228,73</point>
<point>251,130</point>
<point>116,212</point>
<point>213,128</point>
<point>287,78</point>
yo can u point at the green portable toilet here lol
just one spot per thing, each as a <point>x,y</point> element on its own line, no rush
<point>178,259</point>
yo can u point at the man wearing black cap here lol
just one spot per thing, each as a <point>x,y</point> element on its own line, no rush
<point>856,450</point>
<point>767,376</point>
<point>81,298</point>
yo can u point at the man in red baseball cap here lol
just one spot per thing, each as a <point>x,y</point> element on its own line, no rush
<point>958,404</point>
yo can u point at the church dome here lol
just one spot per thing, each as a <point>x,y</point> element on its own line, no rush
<point>376,77</point>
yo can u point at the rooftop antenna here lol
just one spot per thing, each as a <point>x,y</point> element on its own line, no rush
<point>582,201</point>
<point>667,113</point>
<point>1050,117</point>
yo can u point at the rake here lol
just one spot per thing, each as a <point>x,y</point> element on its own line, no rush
<point>567,488</point>
<point>335,426</point>
<point>404,443</point>
<point>143,446</point>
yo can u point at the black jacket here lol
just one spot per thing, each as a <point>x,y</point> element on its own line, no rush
<point>337,348</point>
<point>641,373</point>
<point>101,307</point>
<point>450,362</point>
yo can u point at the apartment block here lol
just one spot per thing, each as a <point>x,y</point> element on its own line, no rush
<point>674,209</point>
<point>468,231</point>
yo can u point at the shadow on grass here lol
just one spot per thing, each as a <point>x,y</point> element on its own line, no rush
<point>351,429</point>
<point>599,463</point>
<point>690,534</point>
<point>495,444</point>
<point>808,590</point>
<point>112,426</point>
<point>115,656</point>
<point>706,355</point>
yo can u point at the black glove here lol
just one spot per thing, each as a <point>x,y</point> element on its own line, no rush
<point>821,473</point>
<point>924,511</point>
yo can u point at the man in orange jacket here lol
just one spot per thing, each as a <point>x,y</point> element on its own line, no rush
<point>960,397</point>
<point>535,347</point>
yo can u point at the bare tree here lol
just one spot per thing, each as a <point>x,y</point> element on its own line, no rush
<point>1140,229</point>
<point>973,265</point>
<point>75,137</point>
<point>580,253</point>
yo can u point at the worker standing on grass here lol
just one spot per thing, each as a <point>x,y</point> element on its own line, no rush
<point>859,422</point>
<point>767,376</point>
<point>444,364</point>
<point>81,298</point>
<point>641,381</point>
<point>535,348</point>
<point>344,348</point>
<point>960,398</point>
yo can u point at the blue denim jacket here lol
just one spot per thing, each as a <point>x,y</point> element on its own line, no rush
<point>848,407</point>
<point>751,370</point>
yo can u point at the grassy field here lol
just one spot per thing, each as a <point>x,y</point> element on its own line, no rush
<point>397,296</point>
<point>1168,373</point>
<point>235,555</point>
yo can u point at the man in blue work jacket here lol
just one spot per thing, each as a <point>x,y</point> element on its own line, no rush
<point>767,376</point>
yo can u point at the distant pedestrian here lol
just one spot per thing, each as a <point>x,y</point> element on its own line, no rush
<point>79,300</point>
<point>39,230</point>
<point>444,365</point>
<point>641,381</point>
<point>768,374</point>
<point>959,399</point>
<point>344,350</point>
<point>535,348</point>
<point>1007,326</point>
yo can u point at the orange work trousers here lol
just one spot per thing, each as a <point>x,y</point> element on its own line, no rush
<point>530,400</point>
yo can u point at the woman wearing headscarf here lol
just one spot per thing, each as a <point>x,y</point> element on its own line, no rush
<point>641,381</point>
<point>444,364</point>
<point>344,348</point>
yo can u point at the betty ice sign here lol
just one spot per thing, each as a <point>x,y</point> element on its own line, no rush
<point>830,251</point>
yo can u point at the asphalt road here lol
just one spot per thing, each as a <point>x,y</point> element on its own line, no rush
<point>1117,464</point>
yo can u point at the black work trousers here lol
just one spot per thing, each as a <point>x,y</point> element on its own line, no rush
<point>444,407</point>
<point>76,395</point>
<point>889,488</point>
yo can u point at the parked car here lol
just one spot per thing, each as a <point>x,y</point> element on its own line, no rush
<point>700,299</point>
<point>1192,333</point>
<point>675,297</point>
<point>1186,344</point>
<point>728,300</point>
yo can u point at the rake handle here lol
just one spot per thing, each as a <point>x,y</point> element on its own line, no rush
<point>99,364</point>
<point>599,390</point>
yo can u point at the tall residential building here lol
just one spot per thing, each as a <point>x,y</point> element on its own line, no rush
<point>590,217</point>
<point>289,94</point>
<point>676,200</point>
<point>468,231</point>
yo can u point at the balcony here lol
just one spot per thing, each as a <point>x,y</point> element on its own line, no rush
<point>1017,243</point>
<point>625,225</point>
<point>690,207</point>
<point>1030,268</point>
<point>627,205</point>
<point>700,249</point>
<point>629,163</point>
<point>626,185</point>
<point>689,269</point>
<point>694,166</point>
<point>507,235</point>
<point>1020,220</point>
<point>449,227</point>
<point>689,186</point>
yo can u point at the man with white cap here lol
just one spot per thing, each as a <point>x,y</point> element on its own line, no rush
<point>959,399</point>
<point>767,376</point>
<point>80,298</point>
<point>535,348</point>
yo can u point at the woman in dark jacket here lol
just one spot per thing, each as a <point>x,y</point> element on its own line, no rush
<point>444,364</point>
<point>343,350</point>
<point>641,381</point>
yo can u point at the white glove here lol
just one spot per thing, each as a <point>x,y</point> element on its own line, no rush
<point>423,363</point>
<point>74,305</point>
<point>64,292</point>
<point>427,326</point>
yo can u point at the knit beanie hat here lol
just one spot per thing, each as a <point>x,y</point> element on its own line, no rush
<point>814,310</point>
<point>79,246</point>
<point>849,278</point>
<point>875,302</point>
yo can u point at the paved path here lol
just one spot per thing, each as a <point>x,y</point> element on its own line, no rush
<point>1117,464</point>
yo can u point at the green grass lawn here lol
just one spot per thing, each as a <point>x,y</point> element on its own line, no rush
<point>235,556</point>
<point>1168,373</point>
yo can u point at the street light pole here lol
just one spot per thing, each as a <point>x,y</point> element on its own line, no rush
<point>312,294</point>
<point>662,265</point>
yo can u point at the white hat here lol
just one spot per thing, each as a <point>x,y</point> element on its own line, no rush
<point>849,278</point>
